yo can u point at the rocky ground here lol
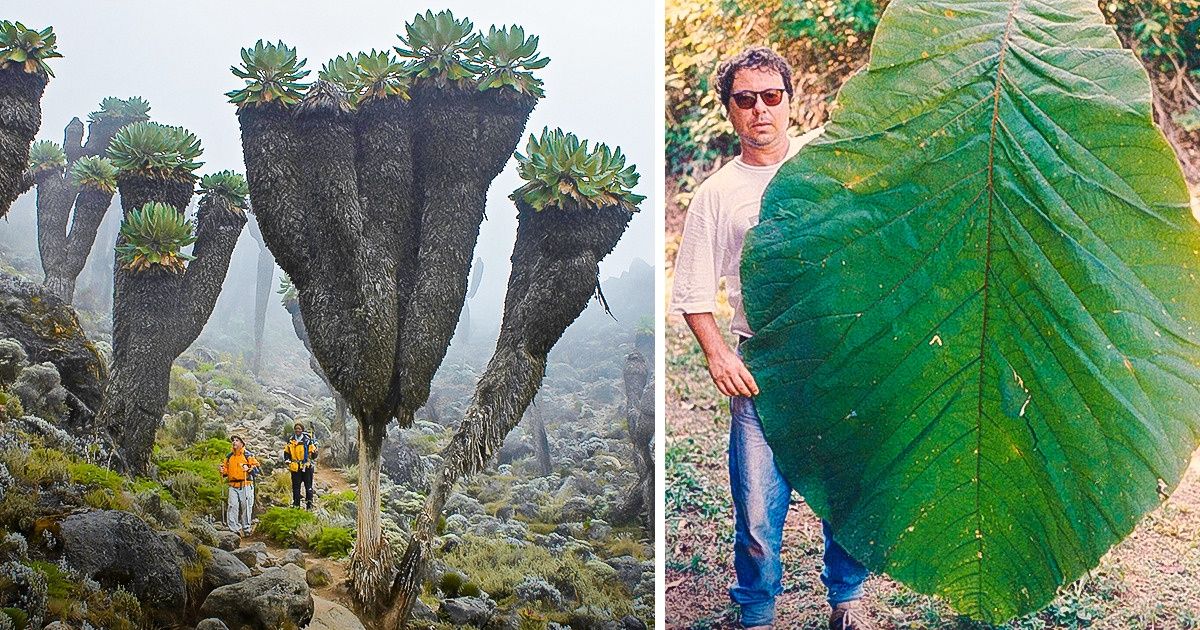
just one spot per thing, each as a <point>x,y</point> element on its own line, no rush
<point>522,546</point>
<point>1150,581</point>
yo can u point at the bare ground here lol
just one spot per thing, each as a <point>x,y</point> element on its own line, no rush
<point>1150,581</point>
<point>327,479</point>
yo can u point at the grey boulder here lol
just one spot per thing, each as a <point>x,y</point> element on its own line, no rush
<point>275,599</point>
<point>222,569</point>
<point>118,548</point>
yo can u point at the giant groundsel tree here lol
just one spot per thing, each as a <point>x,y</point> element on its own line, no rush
<point>571,212</point>
<point>979,288</point>
<point>75,187</point>
<point>162,296</point>
<point>24,74</point>
<point>369,186</point>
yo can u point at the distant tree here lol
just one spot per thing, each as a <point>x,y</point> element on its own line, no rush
<point>75,187</point>
<point>639,414</point>
<point>463,332</point>
<point>262,294</point>
<point>541,443</point>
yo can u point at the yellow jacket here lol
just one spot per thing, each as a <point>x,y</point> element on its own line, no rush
<point>300,454</point>
<point>233,472</point>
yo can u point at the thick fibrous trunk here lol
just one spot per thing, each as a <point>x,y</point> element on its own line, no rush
<point>385,182</point>
<point>555,265</point>
<point>374,214</point>
<point>157,314</point>
<point>262,294</point>
<point>371,563</point>
<point>271,150</point>
<point>350,290</point>
<point>64,253</point>
<point>21,104</point>
<point>466,140</point>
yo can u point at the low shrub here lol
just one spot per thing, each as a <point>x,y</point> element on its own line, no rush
<point>17,510</point>
<point>335,542</point>
<point>105,499</point>
<point>498,567</point>
<point>195,491</point>
<point>38,467</point>
<point>94,476</point>
<point>280,524</point>
<point>194,478</point>
<point>141,484</point>
<point>115,610</point>
<point>336,501</point>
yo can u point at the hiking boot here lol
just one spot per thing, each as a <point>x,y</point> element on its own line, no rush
<point>849,616</point>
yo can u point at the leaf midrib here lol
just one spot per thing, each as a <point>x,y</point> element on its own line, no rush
<point>987,272</point>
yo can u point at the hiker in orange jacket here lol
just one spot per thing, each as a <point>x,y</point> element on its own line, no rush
<point>239,469</point>
<point>300,455</point>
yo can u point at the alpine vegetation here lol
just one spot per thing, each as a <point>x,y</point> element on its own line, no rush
<point>24,74</point>
<point>75,187</point>
<point>369,186</point>
<point>976,287</point>
<point>570,215</point>
<point>162,296</point>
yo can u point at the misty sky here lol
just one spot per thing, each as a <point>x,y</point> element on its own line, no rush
<point>599,83</point>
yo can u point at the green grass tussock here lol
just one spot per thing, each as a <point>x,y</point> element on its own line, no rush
<point>280,523</point>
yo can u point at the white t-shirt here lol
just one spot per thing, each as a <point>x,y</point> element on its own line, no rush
<point>724,207</point>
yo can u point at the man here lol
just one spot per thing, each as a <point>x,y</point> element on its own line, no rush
<point>239,469</point>
<point>300,455</point>
<point>756,89</point>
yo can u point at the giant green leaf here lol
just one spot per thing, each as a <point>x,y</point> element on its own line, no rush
<point>975,301</point>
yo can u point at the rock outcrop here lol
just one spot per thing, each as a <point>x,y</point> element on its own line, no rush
<point>49,331</point>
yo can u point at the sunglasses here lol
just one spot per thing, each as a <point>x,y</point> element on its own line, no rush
<point>746,98</point>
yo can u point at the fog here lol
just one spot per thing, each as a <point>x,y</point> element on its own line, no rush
<point>599,85</point>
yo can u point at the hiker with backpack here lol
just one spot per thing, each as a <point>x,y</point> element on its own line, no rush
<point>239,469</point>
<point>300,455</point>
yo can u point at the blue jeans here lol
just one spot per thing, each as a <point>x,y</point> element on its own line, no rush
<point>761,497</point>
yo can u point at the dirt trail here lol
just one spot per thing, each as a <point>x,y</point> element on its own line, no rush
<point>326,480</point>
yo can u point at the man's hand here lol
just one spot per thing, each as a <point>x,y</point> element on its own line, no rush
<point>730,375</point>
<point>726,368</point>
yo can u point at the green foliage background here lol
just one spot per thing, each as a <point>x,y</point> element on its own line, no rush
<point>827,40</point>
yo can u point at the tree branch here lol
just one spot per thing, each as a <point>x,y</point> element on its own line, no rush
<point>218,226</point>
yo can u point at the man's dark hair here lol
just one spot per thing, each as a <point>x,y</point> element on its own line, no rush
<point>758,57</point>
<point>238,438</point>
